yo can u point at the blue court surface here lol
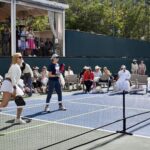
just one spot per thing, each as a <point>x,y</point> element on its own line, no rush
<point>91,111</point>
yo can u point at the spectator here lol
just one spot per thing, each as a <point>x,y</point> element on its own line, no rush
<point>36,80</point>
<point>69,71</point>
<point>44,79</point>
<point>134,67</point>
<point>1,80</point>
<point>42,48</point>
<point>97,73</point>
<point>22,44</point>
<point>6,42</point>
<point>48,47</point>
<point>30,40</point>
<point>142,68</point>
<point>123,83</point>
<point>82,73</point>
<point>88,78</point>
<point>106,72</point>
<point>108,76</point>
<point>27,75</point>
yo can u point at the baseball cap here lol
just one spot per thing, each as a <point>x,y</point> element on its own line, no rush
<point>54,56</point>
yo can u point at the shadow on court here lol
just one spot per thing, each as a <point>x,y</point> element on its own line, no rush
<point>12,124</point>
<point>40,113</point>
<point>106,142</point>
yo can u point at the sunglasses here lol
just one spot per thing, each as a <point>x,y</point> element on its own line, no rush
<point>20,57</point>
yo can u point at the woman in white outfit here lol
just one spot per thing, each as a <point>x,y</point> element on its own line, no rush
<point>10,87</point>
<point>123,83</point>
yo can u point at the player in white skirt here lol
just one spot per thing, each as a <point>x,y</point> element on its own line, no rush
<point>10,87</point>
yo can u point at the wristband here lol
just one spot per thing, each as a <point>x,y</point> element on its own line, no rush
<point>14,87</point>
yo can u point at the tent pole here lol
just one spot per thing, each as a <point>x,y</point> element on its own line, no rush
<point>13,27</point>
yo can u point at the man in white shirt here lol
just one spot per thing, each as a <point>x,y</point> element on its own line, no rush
<point>123,83</point>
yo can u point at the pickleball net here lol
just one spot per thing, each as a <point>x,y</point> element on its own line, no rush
<point>84,122</point>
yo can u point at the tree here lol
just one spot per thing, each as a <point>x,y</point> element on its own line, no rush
<point>122,18</point>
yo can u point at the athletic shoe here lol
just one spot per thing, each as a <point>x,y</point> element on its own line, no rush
<point>46,109</point>
<point>61,107</point>
<point>19,121</point>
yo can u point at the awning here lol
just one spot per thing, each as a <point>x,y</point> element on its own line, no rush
<point>41,3</point>
<point>45,4</point>
<point>30,8</point>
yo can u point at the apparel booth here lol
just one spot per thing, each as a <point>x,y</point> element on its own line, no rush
<point>21,8</point>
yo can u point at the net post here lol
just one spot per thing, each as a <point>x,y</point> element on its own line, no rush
<point>124,115</point>
<point>124,112</point>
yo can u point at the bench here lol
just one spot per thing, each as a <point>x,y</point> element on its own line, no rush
<point>138,80</point>
<point>104,80</point>
<point>71,80</point>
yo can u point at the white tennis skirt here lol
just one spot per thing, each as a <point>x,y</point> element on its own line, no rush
<point>8,87</point>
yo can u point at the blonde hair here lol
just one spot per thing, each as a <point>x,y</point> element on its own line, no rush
<point>14,58</point>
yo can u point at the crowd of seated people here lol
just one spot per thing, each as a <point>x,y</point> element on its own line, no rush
<point>91,78</point>
<point>36,79</point>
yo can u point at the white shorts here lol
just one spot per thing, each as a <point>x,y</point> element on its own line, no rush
<point>8,87</point>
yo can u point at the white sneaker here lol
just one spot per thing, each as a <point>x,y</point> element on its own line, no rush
<point>47,109</point>
<point>19,121</point>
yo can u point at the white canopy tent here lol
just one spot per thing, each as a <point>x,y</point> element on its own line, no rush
<point>54,10</point>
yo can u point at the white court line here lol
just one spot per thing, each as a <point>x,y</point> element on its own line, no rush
<point>134,97</point>
<point>119,107</point>
<point>83,114</point>
<point>53,102</point>
<point>37,99</point>
<point>51,122</point>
